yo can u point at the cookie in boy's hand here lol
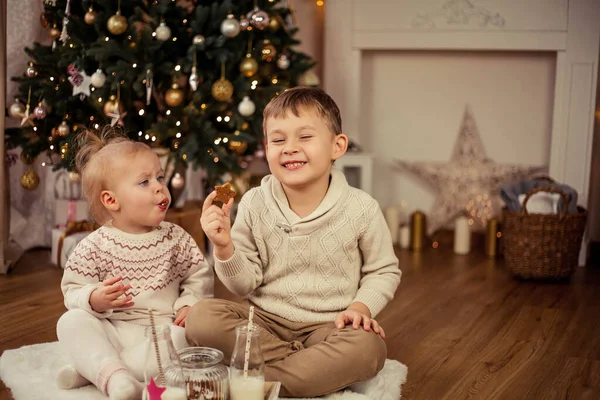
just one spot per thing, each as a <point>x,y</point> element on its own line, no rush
<point>224,193</point>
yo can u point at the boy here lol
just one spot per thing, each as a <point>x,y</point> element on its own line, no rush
<point>313,254</point>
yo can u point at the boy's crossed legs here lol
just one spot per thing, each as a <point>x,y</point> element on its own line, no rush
<point>309,359</point>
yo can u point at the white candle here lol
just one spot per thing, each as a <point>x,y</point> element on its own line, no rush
<point>404,237</point>
<point>251,388</point>
<point>462,235</point>
<point>392,217</point>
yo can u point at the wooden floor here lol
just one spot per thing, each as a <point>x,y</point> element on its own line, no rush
<point>463,326</point>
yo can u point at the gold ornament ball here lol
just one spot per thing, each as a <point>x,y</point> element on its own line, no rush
<point>111,105</point>
<point>274,24</point>
<point>74,177</point>
<point>177,181</point>
<point>54,33</point>
<point>30,180</point>
<point>238,146</point>
<point>222,90</point>
<point>248,66</point>
<point>268,51</point>
<point>117,24</point>
<point>90,16</point>
<point>174,96</point>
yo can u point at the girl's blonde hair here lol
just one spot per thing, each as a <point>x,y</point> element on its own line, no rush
<point>96,162</point>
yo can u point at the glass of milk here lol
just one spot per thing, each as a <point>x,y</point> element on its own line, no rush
<point>247,353</point>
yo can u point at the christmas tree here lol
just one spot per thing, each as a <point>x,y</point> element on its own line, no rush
<point>190,78</point>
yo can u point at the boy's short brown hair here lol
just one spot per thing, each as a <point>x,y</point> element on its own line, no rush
<point>304,96</point>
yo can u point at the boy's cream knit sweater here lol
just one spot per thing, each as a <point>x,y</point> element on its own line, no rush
<point>309,269</point>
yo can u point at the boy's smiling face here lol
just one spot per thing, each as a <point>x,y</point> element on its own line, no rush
<point>300,149</point>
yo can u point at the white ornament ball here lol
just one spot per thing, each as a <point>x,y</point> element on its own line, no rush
<point>177,181</point>
<point>198,40</point>
<point>163,32</point>
<point>246,107</point>
<point>98,78</point>
<point>230,27</point>
<point>283,62</point>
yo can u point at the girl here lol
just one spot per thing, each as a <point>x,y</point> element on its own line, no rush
<point>134,262</point>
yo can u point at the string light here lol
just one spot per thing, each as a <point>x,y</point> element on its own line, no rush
<point>225,140</point>
<point>178,136</point>
<point>51,79</point>
<point>216,159</point>
<point>177,67</point>
<point>174,39</point>
<point>99,99</point>
<point>140,133</point>
<point>435,245</point>
<point>147,136</point>
<point>227,118</point>
<point>134,65</point>
<point>96,126</point>
<point>106,39</point>
<point>168,112</point>
<point>35,128</point>
<point>177,123</point>
<point>154,138</point>
<point>141,112</point>
<point>51,147</point>
<point>320,3</point>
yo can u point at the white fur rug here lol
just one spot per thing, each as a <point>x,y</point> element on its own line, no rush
<point>30,371</point>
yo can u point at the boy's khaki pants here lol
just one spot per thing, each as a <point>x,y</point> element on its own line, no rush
<point>309,358</point>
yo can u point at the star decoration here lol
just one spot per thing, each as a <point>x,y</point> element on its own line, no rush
<point>27,117</point>
<point>470,182</point>
<point>154,392</point>
<point>80,81</point>
<point>116,117</point>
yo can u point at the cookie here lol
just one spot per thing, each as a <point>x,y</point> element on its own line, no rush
<point>224,193</point>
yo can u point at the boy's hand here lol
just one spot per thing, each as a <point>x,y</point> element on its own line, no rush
<point>216,224</point>
<point>180,317</point>
<point>108,295</point>
<point>358,314</point>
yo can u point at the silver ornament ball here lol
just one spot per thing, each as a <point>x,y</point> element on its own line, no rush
<point>16,109</point>
<point>230,27</point>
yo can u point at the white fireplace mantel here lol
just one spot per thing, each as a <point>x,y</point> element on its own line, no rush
<point>570,28</point>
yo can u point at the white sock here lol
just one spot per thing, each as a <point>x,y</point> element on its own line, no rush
<point>123,386</point>
<point>69,378</point>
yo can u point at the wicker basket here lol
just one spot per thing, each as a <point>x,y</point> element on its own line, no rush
<point>543,246</point>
